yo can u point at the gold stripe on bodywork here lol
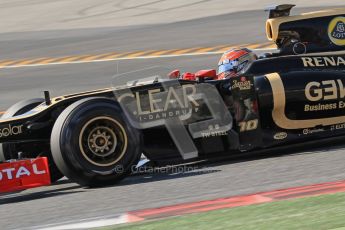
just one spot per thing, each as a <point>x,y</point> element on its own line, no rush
<point>279,103</point>
<point>59,99</point>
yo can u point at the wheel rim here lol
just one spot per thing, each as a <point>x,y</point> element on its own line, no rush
<point>103,141</point>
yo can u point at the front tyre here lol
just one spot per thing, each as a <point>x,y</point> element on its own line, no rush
<point>93,144</point>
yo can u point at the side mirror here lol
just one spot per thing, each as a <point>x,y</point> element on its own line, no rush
<point>209,73</point>
<point>188,76</point>
<point>174,74</point>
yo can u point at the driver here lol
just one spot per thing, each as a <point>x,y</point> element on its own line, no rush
<point>234,62</point>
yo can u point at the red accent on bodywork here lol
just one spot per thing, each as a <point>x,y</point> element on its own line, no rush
<point>174,74</point>
<point>208,73</point>
<point>255,106</point>
<point>24,174</point>
<point>188,76</point>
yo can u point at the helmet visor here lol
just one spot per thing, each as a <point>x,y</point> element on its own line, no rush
<point>226,67</point>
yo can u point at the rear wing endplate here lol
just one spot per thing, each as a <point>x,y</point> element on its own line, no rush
<point>279,10</point>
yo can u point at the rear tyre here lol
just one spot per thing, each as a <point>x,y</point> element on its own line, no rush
<point>10,150</point>
<point>93,144</point>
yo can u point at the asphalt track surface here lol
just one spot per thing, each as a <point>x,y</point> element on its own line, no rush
<point>66,201</point>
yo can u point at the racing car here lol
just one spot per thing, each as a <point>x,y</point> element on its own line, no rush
<point>95,138</point>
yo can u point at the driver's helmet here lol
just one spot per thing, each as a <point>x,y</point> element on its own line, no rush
<point>234,62</point>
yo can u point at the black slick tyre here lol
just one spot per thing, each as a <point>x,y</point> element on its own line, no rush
<point>93,144</point>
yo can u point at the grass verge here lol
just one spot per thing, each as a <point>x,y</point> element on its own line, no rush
<point>320,212</point>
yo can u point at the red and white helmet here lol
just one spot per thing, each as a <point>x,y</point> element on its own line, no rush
<point>235,61</point>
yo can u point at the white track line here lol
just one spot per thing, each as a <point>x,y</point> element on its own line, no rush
<point>125,58</point>
<point>86,224</point>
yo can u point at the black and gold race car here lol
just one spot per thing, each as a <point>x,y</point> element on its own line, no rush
<point>95,138</point>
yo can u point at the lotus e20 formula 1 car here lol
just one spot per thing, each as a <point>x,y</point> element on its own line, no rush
<point>95,138</point>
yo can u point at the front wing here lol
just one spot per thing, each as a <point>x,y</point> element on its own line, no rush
<point>24,174</point>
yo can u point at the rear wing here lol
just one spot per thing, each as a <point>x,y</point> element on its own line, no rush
<point>312,32</point>
<point>279,10</point>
